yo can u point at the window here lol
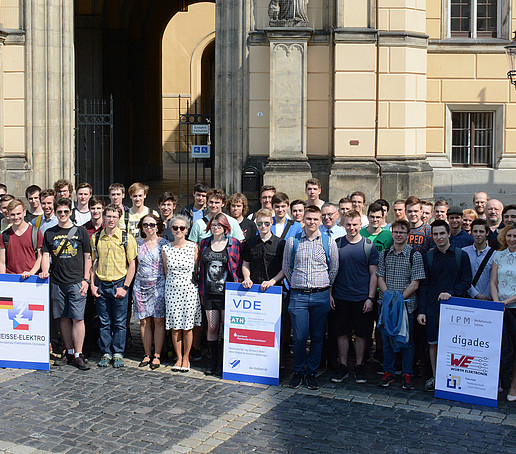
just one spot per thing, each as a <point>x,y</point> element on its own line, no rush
<point>478,18</point>
<point>472,138</point>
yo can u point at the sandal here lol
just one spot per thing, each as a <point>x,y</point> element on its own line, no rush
<point>145,362</point>
<point>176,368</point>
<point>153,365</point>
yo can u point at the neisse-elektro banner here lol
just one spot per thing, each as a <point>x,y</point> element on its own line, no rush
<point>252,325</point>
<point>468,352</point>
<point>24,322</point>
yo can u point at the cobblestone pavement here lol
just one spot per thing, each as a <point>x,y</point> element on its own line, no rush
<point>134,410</point>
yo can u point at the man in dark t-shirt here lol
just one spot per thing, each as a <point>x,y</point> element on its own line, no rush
<point>69,247</point>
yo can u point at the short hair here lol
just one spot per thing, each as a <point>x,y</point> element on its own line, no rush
<point>313,181</point>
<point>383,203</point>
<point>31,190</point>
<point>280,197</point>
<point>116,187</point>
<point>312,209</point>
<point>480,192</point>
<point>399,202</point>
<point>83,186</point>
<point>65,201</point>
<point>167,197</point>
<point>344,200</point>
<point>94,200</point>
<point>15,203</point>
<point>113,207</point>
<point>159,225</point>
<point>359,194</point>
<point>502,236</point>
<point>401,223</point>
<point>216,193</point>
<point>180,217</point>
<point>507,208</point>
<point>472,213</point>
<point>442,203</point>
<point>61,183</point>
<point>222,220</point>
<point>481,222</point>
<point>440,223</point>
<point>138,187</point>
<point>46,193</point>
<point>427,203</point>
<point>352,214</point>
<point>374,207</point>
<point>201,187</point>
<point>264,212</point>
<point>297,202</point>
<point>329,204</point>
<point>413,200</point>
<point>3,186</point>
<point>267,187</point>
<point>6,198</point>
<point>235,198</point>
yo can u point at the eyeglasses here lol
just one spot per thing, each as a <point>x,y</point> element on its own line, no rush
<point>328,215</point>
<point>147,225</point>
<point>266,224</point>
<point>62,211</point>
<point>215,224</point>
<point>175,228</point>
<point>399,233</point>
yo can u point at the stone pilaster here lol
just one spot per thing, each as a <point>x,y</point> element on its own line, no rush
<point>50,89</point>
<point>288,166</point>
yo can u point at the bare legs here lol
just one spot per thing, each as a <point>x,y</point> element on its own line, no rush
<point>158,336</point>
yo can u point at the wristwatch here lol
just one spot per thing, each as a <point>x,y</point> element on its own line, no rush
<point>125,287</point>
<point>86,280</point>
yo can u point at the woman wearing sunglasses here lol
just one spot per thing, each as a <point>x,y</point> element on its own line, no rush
<point>220,262</point>
<point>183,309</point>
<point>149,288</point>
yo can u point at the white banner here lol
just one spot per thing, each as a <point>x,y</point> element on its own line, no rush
<point>252,330</point>
<point>24,322</point>
<point>468,352</point>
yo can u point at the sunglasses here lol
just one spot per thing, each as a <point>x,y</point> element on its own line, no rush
<point>62,211</point>
<point>175,228</point>
<point>147,225</point>
<point>266,224</point>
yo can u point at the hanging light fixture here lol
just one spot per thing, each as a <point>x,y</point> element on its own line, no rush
<point>510,50</point>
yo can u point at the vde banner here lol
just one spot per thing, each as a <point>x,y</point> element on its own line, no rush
<point>252,334</point>
<point>468,352</point>
<point>24,322</point>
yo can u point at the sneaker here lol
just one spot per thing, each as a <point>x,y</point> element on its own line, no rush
<point>64,360</point>
<point>341,375</point>
<point>387,379</point>
<point>360,376</point>
<point>406,382</point>
<point>311,382</point>
<point>105,361</point>
<point>430,384</point>
<point>297,379</point>
<point>117,362</point>
<point>80,363</point>
<point>195,355</point>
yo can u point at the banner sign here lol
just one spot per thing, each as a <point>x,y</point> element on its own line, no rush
<point>468,352</point>
<point>24,322</point>
<point>252,326</point>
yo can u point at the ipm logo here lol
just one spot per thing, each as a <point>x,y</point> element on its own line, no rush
<point>461,361</point>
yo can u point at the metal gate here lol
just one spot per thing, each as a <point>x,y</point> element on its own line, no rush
<point>196,130</point>
<point>94,143</point>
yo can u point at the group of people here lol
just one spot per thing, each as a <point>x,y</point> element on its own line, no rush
<point>343,268</point>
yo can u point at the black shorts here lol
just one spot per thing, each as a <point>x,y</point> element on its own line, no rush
<point>213,302</point>
<point>349,317</point>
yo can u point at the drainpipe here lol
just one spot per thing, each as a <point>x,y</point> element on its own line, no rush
<point>377,104</point>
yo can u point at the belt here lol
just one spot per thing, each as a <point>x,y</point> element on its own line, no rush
<point>309,291</point>
<point>110,284</point>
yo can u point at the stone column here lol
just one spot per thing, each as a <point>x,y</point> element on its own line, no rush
<point>288,162</point>
<point>50,89</point>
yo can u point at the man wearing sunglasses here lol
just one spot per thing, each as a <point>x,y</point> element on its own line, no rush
<point>69,247</point>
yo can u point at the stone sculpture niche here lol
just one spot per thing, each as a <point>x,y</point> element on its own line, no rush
<point>288,13</point>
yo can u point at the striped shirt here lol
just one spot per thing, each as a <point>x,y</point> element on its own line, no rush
<point>310,269</point>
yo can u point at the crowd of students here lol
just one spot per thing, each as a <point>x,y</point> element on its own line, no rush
<point>344,271</point>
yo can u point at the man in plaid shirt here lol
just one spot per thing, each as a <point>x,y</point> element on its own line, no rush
<point>401,269</point>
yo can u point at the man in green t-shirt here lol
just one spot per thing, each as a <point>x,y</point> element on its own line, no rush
<point>380,237</point>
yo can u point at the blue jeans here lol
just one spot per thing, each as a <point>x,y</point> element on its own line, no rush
<point>112,314</point>
<point>407,354</point>
<point>308,314</point>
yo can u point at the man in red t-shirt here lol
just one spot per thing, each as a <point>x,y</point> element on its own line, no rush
<point>20,257</point>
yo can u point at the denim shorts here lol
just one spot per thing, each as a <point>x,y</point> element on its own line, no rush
<point>67,301</point>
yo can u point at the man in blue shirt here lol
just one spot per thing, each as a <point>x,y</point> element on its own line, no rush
<point>458,237</point>
<point>330,216</point>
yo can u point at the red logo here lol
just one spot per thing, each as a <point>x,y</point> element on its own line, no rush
<point>462,361</point>
<point>251,337</point>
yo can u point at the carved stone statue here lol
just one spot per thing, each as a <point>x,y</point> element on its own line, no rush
<point>288,13</point>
